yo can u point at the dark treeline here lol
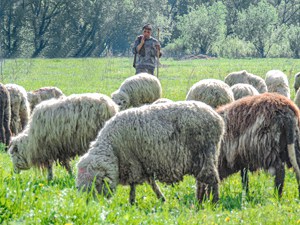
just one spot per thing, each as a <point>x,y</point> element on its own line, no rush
<point>93,28</point>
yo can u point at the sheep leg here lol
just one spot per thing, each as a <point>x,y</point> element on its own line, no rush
<point>279,178</point>
<point>156,189</point>
<point>66,164</point>
<point>210,177</point>
<point>50,172</point>
<point>245,179</point>
<point>132,194</point>
<point>200,191</point>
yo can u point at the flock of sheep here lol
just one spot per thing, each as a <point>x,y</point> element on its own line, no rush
<point>136,136</point>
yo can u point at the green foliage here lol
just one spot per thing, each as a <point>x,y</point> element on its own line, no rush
<point>27,198</point>
<point>233,47</point>
<point>203,26</point>
<point>257,24</point>
<point>294,40</point>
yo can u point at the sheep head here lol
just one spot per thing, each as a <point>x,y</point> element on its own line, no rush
<point>95,171</point>
<point>16,152</point>
<point>121,99</point>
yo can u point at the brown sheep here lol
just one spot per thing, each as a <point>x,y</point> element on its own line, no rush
<point>261,132</point>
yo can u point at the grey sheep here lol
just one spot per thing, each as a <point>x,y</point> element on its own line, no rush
<point>212,92</point>
<point>5,115</point>
<point>42,94</point>
<point>162,141</point>
<point>246,78</point>
<point>261,132</point>
<point>297,98</point>
<point>20,109</point>
<point>59,130</point>
<point>137,90</point>
<point>241,90</point>
<point>277,82</point>
<point>297,81</point>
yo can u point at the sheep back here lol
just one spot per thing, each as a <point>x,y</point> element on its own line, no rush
<point>241,90</point>
<point>246,78</point>
<point>42,94</point>
<point>212,92</point>
<point>277,82</point>
<point>137,90</point>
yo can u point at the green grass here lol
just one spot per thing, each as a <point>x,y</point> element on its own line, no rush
<point>27,198</point>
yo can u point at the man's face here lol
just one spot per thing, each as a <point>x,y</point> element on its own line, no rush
<point>147,33</point>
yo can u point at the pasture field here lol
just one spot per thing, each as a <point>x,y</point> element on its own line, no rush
<point>27,198</point>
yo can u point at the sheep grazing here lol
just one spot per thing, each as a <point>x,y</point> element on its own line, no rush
<point>242,90</point>
<point>297,81</point>
<point>162,100</point>
<point>59,130</point>
<point>42,94</point>
<point>277,82</point>
<point>261,132</point>
<point>212,92</point>
<point>246,78</point>
<point>5,115</point>
<point>162,141</point>
<point>20,110</point>
<point>137,90</point>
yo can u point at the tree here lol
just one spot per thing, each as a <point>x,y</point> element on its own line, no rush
<point>203,26</point>
<point>11,21</point>
<point>257,24</point>
<point>294,40</point>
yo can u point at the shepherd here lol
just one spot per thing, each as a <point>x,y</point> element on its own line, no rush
<point>146,52</point>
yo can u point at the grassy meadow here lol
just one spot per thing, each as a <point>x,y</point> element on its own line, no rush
<point>27,198</point>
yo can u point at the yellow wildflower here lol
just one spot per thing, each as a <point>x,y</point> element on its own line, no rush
<point>227,219</point>
<point>41,185</point>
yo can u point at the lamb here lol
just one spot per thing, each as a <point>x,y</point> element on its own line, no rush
<point>261,132</point>
<point>297,81</point>
<point>5,115</point>
<point>160,141</point>
<point>246,78</point>
<point>59,130</point>
<point>277,82</point>
<point>137,90</point>
<point>42,94</point>
<point>20,109</point>
<point>212,92</point>
<point>241,90</point>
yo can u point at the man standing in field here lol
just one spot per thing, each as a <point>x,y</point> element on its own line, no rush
<point>145,50</point>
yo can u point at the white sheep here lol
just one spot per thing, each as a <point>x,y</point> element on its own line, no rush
<point>277,82</point>
<point>20,109</point>
<point>42,94</point>
<point>137,90</point>
<point>246,78</point>
<point>241,90</point>
<point>160,141</point>
<point>212,92</point>
<point>60,129</point>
